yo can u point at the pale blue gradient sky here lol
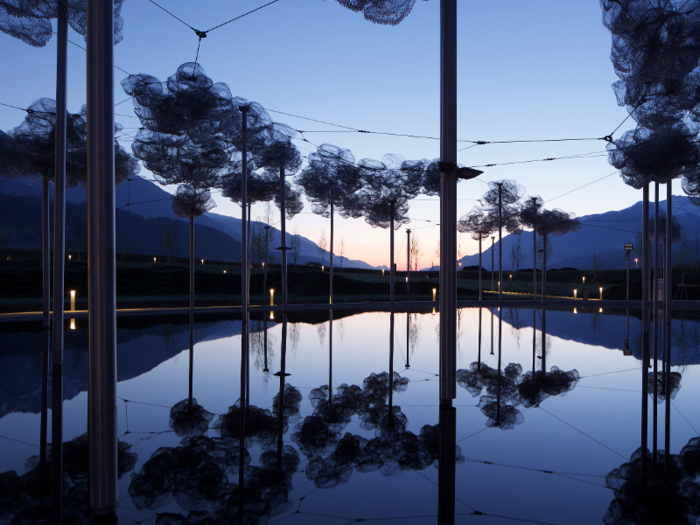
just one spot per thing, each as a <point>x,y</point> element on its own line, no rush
<point>527,70</point>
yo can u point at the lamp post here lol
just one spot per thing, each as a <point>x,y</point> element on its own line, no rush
<point>635,263</point>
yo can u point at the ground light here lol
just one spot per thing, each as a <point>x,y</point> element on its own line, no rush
<point>434,292</point>
<point>69,257</point>
<point>584,279</point>
<point>72,300</point>
<point>601,293</point>
<point>202,262</point>
<point>154,259</point>
<point>635,263</point>
<point>575,290</point>
<point>272,297</point>
<point>575,310</point>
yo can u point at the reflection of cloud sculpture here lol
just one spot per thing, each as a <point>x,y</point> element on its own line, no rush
<point>537,386</point>
<point>261,425</point>
<point>674,387</point>
<point>194,474</point>
<point>188,418</point>
<point>385,12</point>
<point>481,376</point>
<point>661,500</point>
<point>23,499</point>
<point>501,415</point>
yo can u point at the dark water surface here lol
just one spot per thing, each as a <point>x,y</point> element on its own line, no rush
<point>529,446</point>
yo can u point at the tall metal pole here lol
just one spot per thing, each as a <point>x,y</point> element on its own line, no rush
<point>191,376</point>
<point>408,262</point>
<point>59,261</point>
<point>655,309</point>
<point>668,287</point>
<point>500,243</point>
<point>46,307</point>
<point>283,233</point>
<point>102,297</point>
<point>493,264</point>
<point>627,260</point>
<point>534,265</point>
<point>331,257</point>
<point>267,244</point>
<point>391,256</point>
<point>330,358</point>
<point>283,377</point>
<point>479,267</point>
<point>544,271</point>
<point>447,436</point>
<point>448,201</point>
<point>245,267</point>
<point>191,261</point>
<point>645,325</point>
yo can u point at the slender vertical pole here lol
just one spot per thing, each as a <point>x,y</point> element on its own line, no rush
<point>46,307</point>
<point>331,257</point>
<point>191,261</point>
<point>500,243</point>
<point>493,264</point>
<point>534,338</point>
<point>408,338</point>
<point>283,377</point>
<point>391,367</point>
<point>330,357</point>
<point>491,311</point>
<point>646,259</point>
<point>668,287</point>
<point>265,368</point>
<point>250,205</point>
<point>544,340</point>
<point>479,268</point>
<point>267,245</point>
<point>627,260</point>
<point>534,265</point>
<point>59,210</point>
<point>102,304</point>
<point>478,360</point>
<point>448,201</point>
<point>283,222</point>
<point>447,436</point>
<point>242,411</point>
<point>408,262</point>
<point>544,270</point>
<point>655,309</point>
<point>391,257</point>
<point>191,377</point>
<point>245,269</point>
<point>500,346</point>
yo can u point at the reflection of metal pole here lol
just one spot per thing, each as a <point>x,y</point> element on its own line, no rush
<point>408,338</point>
<point>478,360</point>
<point>668,283</point>
<point>534,338</point>
<point>655,298</point>
<point>241,416</point>
<point>391,367</point>
<point>266,369</point>
<point>46,252</point>
<point>500,341</point>
<point>544,340</point>
<point>280,406</point>
<point>330,358</point>
<point>447,435</point>
<point>627,260</point>
<point>491,311</point>
<point>448,200</point>
<point>646,259</point>
<point>191,358</point>
<point>45,363</point>
<point>102,398</point>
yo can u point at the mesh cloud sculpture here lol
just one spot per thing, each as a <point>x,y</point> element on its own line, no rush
<point>530,211</point>
<point>384,12</point>
<point>385,196</point>
<point>547,222</point>
<point>188,103</point>
<point>480,226</point>
<point>644,156</point>
<point>36,138</point>
<point>30,21</point>
<point>676,231</point>
<point>14,163</point>
<point>190,202</point>
<point>330,181</point>
<point>674,498</point>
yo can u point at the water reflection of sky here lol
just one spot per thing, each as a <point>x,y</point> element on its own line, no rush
<point>580,436</point>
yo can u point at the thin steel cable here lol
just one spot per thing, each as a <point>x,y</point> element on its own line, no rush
<point>174,16</point>
<point>241,16</point>
<point>580,187</point>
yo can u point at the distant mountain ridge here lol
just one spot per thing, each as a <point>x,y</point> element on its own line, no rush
<point>603,233</point>
<point>142,198</point>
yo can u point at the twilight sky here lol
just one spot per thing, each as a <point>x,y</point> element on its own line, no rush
<point>527,71</point>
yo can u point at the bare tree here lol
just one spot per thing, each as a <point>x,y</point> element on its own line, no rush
<point>516,255</point>
<point>169,240</point>
<point>415,252</point>
<point>342,251</point>
<point>596,265</point>
<point>322,245</point>
<point>295,245</point>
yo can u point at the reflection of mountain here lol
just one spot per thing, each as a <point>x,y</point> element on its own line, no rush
<point>139,352</point>
<point>609,331</point>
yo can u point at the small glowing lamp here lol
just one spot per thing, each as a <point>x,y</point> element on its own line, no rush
<point>72,300</point>
<point>272,297</point>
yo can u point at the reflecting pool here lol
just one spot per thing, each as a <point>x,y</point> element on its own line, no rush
<point>340,420</point>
